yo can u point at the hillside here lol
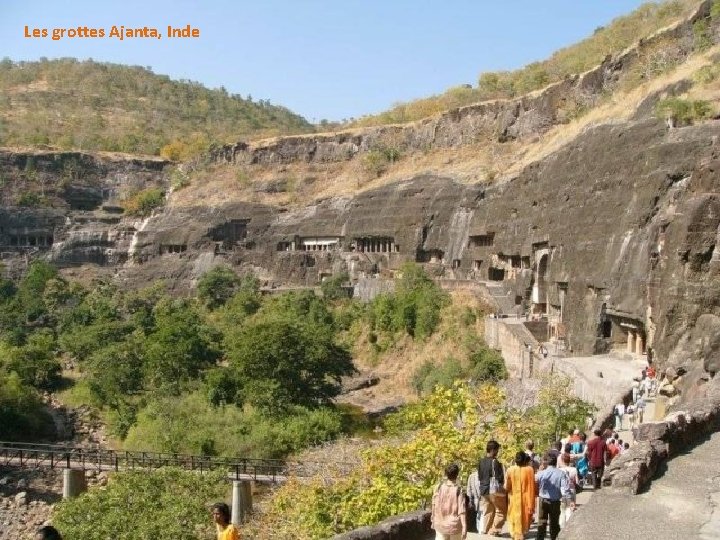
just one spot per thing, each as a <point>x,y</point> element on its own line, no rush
<point>97,106</point>
<point>612,39</point>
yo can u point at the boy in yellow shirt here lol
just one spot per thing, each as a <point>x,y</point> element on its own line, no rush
<point>225,529</point>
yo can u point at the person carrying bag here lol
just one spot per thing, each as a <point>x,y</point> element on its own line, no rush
<point>491,479</point>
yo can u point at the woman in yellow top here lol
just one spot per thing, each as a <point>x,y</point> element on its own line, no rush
<point>520,487</point>
<point>225,529</point>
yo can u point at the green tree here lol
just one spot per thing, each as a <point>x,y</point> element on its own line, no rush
<point>22,413</point>
<point>217,286</point>
<point>418,301</point>
<point>35,362</point>
<point>282,362</point>
<point>487,365</point>
<point>31,291</point>
<point>333,288</point>
<point>560,408</point>
<point>179,347</point>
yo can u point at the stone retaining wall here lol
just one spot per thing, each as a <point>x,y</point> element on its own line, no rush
<point>409,526</point>
<point>657,441</point>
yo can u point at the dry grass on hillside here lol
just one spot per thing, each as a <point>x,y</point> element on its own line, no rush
<point>490,161</point>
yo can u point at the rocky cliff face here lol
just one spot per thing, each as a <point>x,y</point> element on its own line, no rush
<point>76,217</point>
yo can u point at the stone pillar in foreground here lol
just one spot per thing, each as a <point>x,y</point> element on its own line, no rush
<point>73,483</point>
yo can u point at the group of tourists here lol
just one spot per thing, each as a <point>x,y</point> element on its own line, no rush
<point>644,387</point>
<point>547,485</point>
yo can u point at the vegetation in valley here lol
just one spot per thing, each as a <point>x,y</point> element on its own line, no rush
<point>89,105</point>
<point>228,372</point>
<point>168,503</point>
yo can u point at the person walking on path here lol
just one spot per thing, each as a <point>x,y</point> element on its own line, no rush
<point>474,499</point>
<point>597,452</point>
<point>553,486</point>
<point>448,508</point>
<point>494,499</point>
<point>521,490</point>
<point>221,517</point>
<point>619,415</point>
<point>530,451</point>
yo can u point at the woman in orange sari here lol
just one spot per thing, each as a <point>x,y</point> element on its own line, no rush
<point>520,487</point>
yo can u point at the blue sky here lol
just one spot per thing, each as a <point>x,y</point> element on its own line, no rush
<point>323,59</point>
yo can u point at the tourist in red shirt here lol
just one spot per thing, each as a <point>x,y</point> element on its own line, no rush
<point>597,450</point>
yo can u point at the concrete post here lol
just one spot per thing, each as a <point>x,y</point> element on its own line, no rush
<point>73,483</point>
<point>241,501</point>
<point>631,341</point>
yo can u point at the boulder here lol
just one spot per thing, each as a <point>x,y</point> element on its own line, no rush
<point>21,498</point>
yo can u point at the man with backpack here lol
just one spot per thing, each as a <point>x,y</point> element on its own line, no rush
<point>448,508</point>
<point>491,478</point>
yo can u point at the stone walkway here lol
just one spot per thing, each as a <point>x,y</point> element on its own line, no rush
<point>682,504</point>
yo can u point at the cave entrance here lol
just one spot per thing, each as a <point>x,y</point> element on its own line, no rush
<point>539,291</point>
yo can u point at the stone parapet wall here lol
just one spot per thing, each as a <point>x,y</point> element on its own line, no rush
<point>632,471</point>
<point>410,526</point>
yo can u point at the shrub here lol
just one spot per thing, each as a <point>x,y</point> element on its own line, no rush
<point>487,365</point>
<point>190,424</point>
<point>683,111</point>
<point>429,376</point>
<point>701,35</point>
<point>375,163</point>
<point>706,74</point>
<point>333,287</point>
<point>144,202</point>
<point>168,503</point>
<point>715,9</point>
<point>31,199</point>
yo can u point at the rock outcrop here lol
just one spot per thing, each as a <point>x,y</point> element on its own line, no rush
<point>502,120</point>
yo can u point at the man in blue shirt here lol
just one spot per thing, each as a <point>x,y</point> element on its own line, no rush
<point>553,486</point>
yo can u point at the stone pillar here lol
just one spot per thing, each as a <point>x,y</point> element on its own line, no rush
<point>73,483</point>
<point>639,345</point>
<point>241,501</point>
<point>631,341</point>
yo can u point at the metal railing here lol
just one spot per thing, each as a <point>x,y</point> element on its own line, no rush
<point>31,455</point>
